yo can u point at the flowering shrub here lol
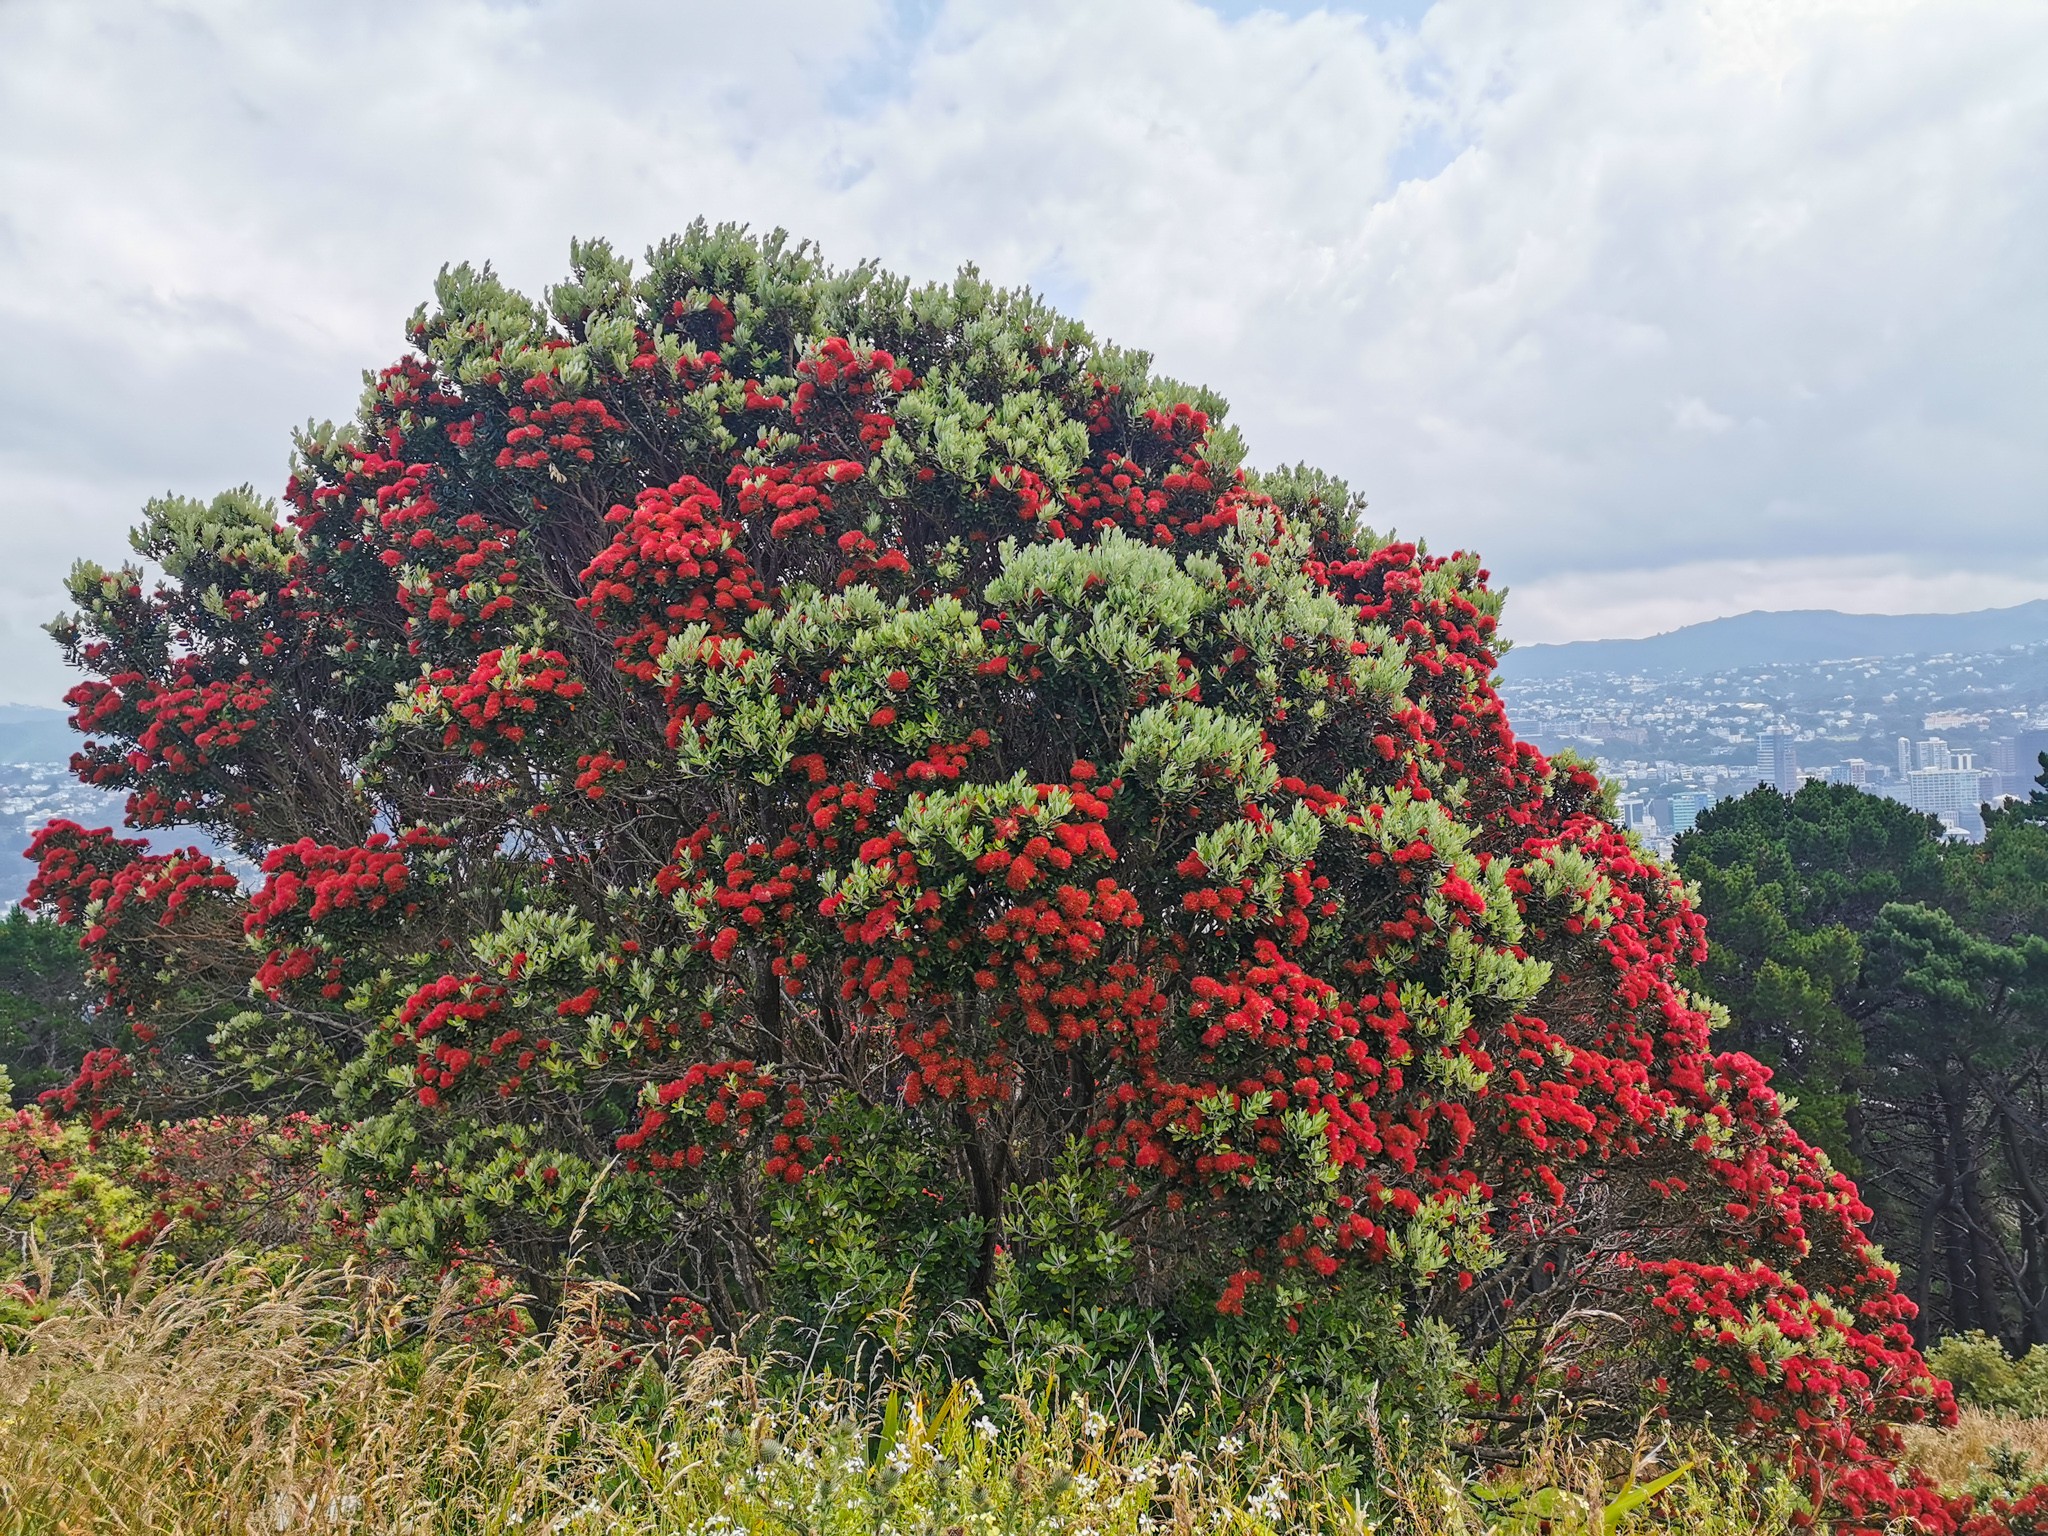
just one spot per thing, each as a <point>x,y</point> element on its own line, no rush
<point>729,698</point>
<point>72,1198</point>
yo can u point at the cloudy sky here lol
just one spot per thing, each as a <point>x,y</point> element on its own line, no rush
<point>1672,309</point>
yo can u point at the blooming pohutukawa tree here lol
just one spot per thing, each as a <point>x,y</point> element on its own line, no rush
<point>720,696</point>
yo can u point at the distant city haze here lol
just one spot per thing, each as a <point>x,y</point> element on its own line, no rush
<point>1672,311</point>
<point>1943,712</point>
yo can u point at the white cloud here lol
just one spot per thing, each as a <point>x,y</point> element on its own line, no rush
<point>1693,414</point>
<point>1661,306</point>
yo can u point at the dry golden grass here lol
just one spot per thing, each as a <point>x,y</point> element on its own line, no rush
<point>1955,1456</point>
<point>234,1401</point>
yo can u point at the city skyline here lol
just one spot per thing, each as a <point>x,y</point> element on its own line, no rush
<point>1942,733</point>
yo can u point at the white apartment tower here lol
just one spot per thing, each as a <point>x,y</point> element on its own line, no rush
<point>1777,760</point>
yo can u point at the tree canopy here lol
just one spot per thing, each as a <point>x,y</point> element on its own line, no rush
<point>1898,984</point>
<point>45,1005</point>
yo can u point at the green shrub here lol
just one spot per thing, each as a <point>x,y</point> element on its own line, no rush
<point>77,1204</point>
<point>1985,1376</point>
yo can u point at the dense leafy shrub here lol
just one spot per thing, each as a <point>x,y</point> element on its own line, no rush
<point>1985,1376</point>
<point>45,1007</point>
<point>867,767</point>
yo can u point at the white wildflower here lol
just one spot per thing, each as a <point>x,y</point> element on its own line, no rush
<point>1230,1446</point>
<point>971,1390</point>
<point>1095,1426</point>
<point>1267,1501</point>
<point>986,1428</point>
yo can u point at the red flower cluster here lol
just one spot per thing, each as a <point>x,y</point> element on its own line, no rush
<point>506,694</point>
<point>673,562</point>
<point>135,908</point>
<point>322,898</point>
<point>716,1108</point>
<point>1176,499</point>
<point>448,1021</point>
<point>334,878</point>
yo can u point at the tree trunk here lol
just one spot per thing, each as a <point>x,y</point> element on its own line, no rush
<point>2033,1225</point>
<point>988,1199</point>
<point>1961,1313</point>
<point>1978,1231</point>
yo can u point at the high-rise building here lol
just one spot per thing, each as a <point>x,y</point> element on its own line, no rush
<point>1905,756</point>
<point>1686,805</point>
<point>1857,772</point>
<point>1788,765</point>
<point>1777,760</point>
<point>1931,753</point>
<point>1948,791</point>
<point>2027,747</point>
<point>2002,769</point>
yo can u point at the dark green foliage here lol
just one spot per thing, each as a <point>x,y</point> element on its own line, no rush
<point>1898,985</point>
<point>876,1255</point>
<point>868,1252</point>
<point>1790,887</point>
<point>45,1005</point>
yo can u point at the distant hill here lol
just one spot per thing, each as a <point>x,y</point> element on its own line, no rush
<point>32,735</point>
<point>1766,639</point>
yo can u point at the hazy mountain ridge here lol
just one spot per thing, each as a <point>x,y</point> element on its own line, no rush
<point>1785,638</point>
<point>31,734</point>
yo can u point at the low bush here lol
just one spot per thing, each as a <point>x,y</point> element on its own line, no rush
<point>109,1203</point>
<point>1985,1376</point>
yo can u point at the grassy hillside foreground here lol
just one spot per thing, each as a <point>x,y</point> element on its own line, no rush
<point>237,1400</point>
